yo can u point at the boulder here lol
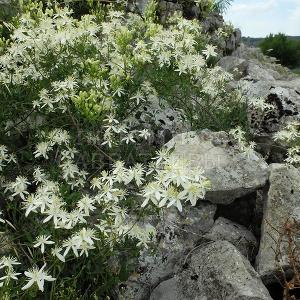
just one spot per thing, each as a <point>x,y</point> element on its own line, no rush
<point>233,41</point>
<point>224,273</point>
<point>234,65</point>
<point>281,204</point>
<point>232,174</point>
<point>236,234</point>
<point>216,271</point>
<point>167,9</point>
<point>177,234</point>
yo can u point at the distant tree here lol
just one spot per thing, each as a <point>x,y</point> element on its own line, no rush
<point>286,50</point>
<point>222,5</point>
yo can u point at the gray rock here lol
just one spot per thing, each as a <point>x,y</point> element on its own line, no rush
<point>238,235</point>
<point>177,234</point>
<point>166,291</point>
<point>282,203</point>
<point>234,65</point>
<point>234,41</point>
<point>180,231</point>
<point>212,22</point>
<point>167,9</point>
<point>141,5</point>
<point>257,72</point>
<point>218,271</point>
<point>231,173</point>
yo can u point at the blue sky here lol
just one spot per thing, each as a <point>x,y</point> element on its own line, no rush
<point>257,18</point>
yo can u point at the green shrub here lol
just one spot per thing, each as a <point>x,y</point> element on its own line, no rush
<point>286,50</point>
<point>81,99</point>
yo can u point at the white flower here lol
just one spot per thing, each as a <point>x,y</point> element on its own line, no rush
<point>1,220</point>
<point>119,92</point>
<point>8,262</point>
<point>68,154</point>
<point>82,240</point>
<point>144,134</point>
<point>138,97</point>
<point>10,274</point>
<point>56,252</point>
<point>129,138</point>
<point>19,187</point>
<point>41,241</point>
<point>210,51</point>
<point>71,243</point>
<point>152,192</point>
<point>173,196</point>
<point>162,155</point>
<point>59,136</point>
<point>69,169</point>
<point>39,175</point>
<point>37,276</point>
<point>85,204</point>
<point>137,173</point>
<point>260,104</point>
<point>42,149</point>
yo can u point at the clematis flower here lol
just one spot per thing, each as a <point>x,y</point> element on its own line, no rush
<point>37,276</point>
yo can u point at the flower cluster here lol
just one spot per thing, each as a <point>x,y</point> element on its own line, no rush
<point>244,146</point>
<point>174,182</point>
<point>290,136</point>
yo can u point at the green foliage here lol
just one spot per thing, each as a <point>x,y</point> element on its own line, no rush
<point>222,5</point>
<point>286,50</point>
<point>83,101</point>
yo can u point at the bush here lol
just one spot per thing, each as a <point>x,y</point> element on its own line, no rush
<point>286,50</point>
<point>82,101</point>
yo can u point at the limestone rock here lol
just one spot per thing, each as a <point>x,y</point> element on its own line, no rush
<point>231,173</point>
<point>236,234</point>
<point>216,271</point>
<point>282,203</point>
<point>177,235</point>
<point>234,41</point>
<point>166,291</point>
<point>223,273</point>
<point>234,65</point>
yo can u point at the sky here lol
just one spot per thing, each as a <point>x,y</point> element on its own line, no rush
<point>258,18</point>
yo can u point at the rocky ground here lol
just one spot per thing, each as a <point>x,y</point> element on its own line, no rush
<point>228,247</point>
<point>210,251</point>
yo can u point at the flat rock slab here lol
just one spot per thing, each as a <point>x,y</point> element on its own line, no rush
<point>232,174</point>
<point>281,204</point>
